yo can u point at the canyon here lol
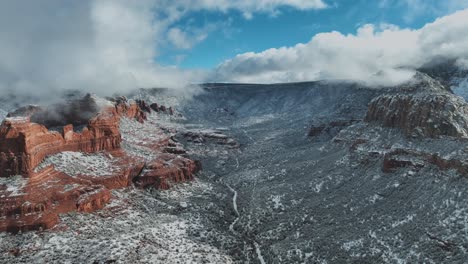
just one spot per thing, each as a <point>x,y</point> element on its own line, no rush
<point>319,172</point>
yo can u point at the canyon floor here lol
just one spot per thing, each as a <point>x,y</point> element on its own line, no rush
<point>271,193</point>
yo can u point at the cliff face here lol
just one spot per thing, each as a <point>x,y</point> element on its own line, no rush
<point>26,144</point>
<point>34,200</point>
<point>167,170</point>
<point>425,115</point>
<point>421,108</point>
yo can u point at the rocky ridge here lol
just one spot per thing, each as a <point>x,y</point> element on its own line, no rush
<point>427,110</point>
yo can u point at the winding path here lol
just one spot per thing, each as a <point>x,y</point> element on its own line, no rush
<point>231,227</point>
<point>234,205</point>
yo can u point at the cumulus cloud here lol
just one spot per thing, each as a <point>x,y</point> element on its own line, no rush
<point>102,46</point>
<point>98,46</point>
<point>377,55</point>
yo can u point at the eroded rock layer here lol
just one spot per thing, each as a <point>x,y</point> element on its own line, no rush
<point>421,115</point>
<point>44,173</point>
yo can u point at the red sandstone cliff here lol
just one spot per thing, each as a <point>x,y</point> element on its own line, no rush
<point>35,200</point>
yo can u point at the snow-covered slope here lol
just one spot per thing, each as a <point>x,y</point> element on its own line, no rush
<point>359,193</point>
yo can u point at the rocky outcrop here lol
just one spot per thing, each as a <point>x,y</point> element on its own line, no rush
<point>167,170</point>
<point>161,108</point>
<point>407,158</point>
<point>92,199</point>
<point>36,202</point>
<point>33,193</point>
<point>125,109</point>
<point>25,111</point>
<point>422,107</point>
<point>143,106</point>
<point>422,114</point>
<point>201,136</point>
<point>402,158</point>
<point>26,144</point>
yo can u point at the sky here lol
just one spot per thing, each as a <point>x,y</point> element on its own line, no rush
<point>113,46</point>
<point>229,34</point>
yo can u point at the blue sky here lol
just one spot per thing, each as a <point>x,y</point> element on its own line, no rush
<point>113,46</point>
<point>234,34</point>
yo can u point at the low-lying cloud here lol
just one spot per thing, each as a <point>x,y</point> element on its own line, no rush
<point>102,46</point>
<point>112,46</point>
<point>376,55</point>
<point>98,46</point>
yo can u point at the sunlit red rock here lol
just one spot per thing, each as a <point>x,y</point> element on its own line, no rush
<point>35,199</point>
<point>167,170</point>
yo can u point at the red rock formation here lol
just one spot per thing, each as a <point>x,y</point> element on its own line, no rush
<point>46,194</point>
<point>124,109</point>
<point>34,201</point>
<point>166,170</point>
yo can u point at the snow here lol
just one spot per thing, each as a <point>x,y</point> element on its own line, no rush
<point>14,185</point>
<point>406,220</point>
<point>276,200</point>
<point>136,227</point>
<point>17,119</point>
<point>259,253</point>
<point>139,139</point>
<point>234,206</point>
<point>318,187</point>
<point>257,120</point>
<point>374,198</point>
<point>102,102</point>
<point>78,163</point>
<point>352,244</point>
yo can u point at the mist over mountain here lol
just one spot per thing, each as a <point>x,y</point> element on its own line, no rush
<point>196,131</point>
<point>108,47</point>
<point>379,55</point>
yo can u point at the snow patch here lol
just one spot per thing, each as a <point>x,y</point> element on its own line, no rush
<point>14,184</point>
<point>78,163</point>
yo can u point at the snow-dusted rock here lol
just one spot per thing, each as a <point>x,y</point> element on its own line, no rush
<point>421,114</point>
<point>74,171</point>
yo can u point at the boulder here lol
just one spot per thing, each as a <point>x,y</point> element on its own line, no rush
<point>166,170</point>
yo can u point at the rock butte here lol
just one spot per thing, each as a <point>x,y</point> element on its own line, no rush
<point>34,200</point>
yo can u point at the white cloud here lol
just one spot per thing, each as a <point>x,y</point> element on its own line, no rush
<point>252,6</point>
<point>384,56</point>
<point>103,46</point>
<point>98,46</point>
<point>419,8</point>
<point>186,40</point>
<point>179,38</point>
